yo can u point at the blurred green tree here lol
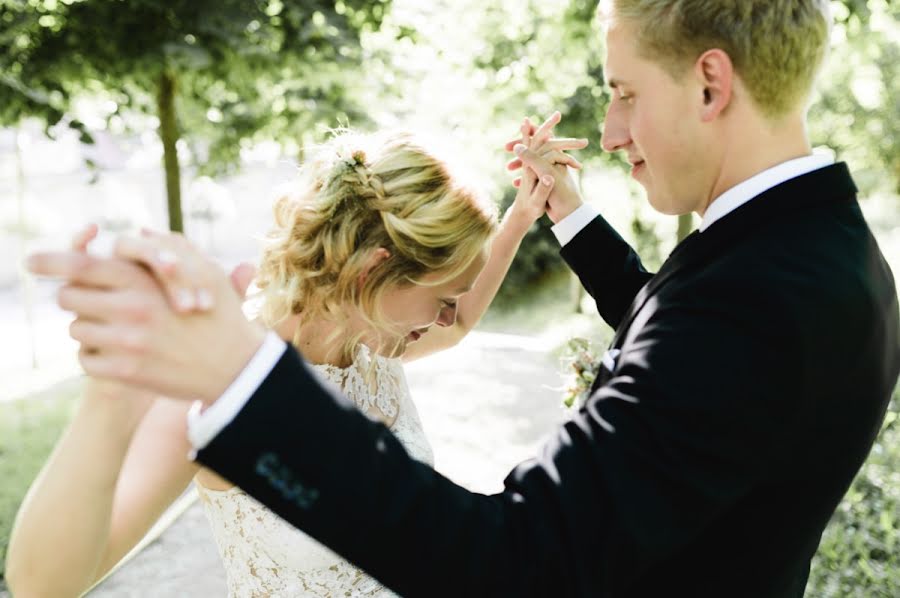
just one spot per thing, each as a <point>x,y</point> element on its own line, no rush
<point>221,70</point>
<point>857,113</point>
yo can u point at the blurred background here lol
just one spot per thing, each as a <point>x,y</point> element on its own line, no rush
<point>190,114</point>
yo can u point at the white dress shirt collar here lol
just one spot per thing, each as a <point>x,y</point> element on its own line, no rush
<point>759,183</point>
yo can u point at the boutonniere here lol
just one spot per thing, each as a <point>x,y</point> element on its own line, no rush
<point>579,370</point>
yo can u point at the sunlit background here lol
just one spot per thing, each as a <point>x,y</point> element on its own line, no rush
<point>190,115</point>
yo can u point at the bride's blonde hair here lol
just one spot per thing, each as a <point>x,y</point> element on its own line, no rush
<point>359,193</point>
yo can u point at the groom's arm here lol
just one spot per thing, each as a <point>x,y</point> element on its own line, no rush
<point>626,484</point>
<point>609,269</point>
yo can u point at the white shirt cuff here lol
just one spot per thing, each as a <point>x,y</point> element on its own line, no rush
<point>566,229</point>
<point>203,427</point>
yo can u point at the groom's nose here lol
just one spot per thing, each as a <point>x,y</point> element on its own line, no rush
<point>616,135</point>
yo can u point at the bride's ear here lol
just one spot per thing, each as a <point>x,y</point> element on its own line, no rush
<point>377,256</point>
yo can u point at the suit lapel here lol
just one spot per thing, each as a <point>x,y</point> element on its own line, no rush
<point>677,261</point>
<point>701,249</point>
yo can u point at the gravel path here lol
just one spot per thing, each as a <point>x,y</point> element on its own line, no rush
<point>485,405</point>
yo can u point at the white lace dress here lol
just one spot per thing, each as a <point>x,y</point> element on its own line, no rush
<point>266,556</point>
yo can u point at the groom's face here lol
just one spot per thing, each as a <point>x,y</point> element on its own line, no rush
<point>654,119</point>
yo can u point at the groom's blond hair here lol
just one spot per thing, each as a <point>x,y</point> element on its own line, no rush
<point>356,194</point>
<point>776,46</point>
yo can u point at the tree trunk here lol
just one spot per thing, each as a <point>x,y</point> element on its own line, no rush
<point>168,132</point>
<point>27,279</point>
<point>685,226</point>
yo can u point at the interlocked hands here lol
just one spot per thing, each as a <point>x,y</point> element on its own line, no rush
<point>545,163</point>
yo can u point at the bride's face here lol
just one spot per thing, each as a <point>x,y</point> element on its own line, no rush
<point>412,310</point>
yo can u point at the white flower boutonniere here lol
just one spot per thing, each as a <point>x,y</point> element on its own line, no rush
<point>579,363</point>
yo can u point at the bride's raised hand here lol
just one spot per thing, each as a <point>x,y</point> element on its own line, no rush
<point>136,337</point>
<point>531,199</point>
<point>540,140</point>
<point>130,403</point>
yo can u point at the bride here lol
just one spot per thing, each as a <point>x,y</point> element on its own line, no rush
<point>379,256</point>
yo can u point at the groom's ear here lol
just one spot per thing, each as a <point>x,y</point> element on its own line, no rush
<point>379,255</point>
<point>715,74</point>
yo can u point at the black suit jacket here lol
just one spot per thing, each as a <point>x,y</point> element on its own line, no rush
<point>754,373</point>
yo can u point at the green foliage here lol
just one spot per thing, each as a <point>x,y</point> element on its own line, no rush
<point>29,428</point>
<point>229,55</point>
<point>859,554</point>
<point>538,257</point>
<point>241,69</point>
<point>858,111</point>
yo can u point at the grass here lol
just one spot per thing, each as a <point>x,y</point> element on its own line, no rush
<point>29,428</point>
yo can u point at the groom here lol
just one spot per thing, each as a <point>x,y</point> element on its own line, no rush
<point>742,392</point>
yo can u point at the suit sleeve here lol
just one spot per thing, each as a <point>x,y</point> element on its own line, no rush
<point>644,467</point>
<point>609,269</point>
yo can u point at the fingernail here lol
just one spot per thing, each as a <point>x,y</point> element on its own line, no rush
<point>166,257</point>
<point>204,300</point>
<point>185,299</point>
<point>547,180</point>
<point>519,149</point>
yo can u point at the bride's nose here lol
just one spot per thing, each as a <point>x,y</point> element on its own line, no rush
<point>447,316</point>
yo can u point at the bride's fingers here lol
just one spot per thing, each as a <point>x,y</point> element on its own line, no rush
<point>80,268</point>
<point>101,304</point>
<point>166,267</point>
<point>541,192</point>
<point>526,129</point>
<point>176,266</point>
<point>241,277</point>
<point>84,236</point>
<point>509,145</point>
<point>543,133</point>
<point>94,336</point>
<point>557,157</point>
<point>565,144</point>
<point>561,144</point>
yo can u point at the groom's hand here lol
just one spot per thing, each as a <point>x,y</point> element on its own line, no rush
<point>541,140</point>
<point>565,197</point>
<point>541,155</point>
<point>129,332</point>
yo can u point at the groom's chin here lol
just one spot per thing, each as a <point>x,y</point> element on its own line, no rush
<point>663,205</point>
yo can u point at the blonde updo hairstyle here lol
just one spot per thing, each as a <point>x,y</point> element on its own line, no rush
<point>359,193</point>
